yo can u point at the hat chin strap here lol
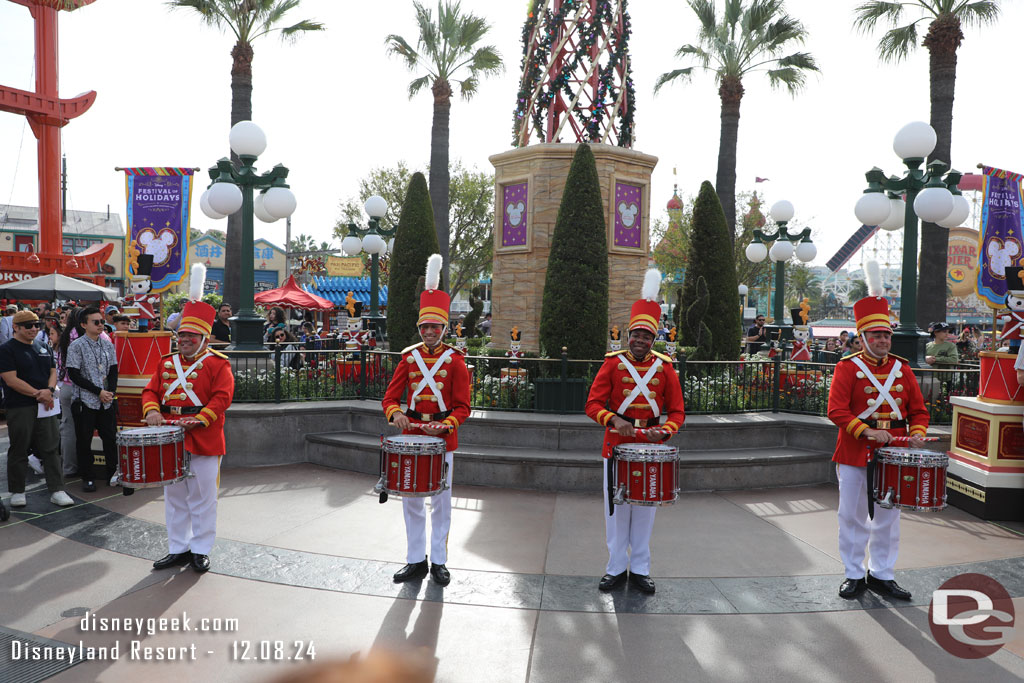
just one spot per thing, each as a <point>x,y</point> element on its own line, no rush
<point>867,349</point>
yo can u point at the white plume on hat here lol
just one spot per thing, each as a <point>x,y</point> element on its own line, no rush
<point>434,271</point>
<point>652,283</point>
<point>196,281</point>
<point>873,276</point>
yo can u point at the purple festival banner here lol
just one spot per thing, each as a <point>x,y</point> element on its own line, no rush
<point>159,200</point>
<point>627,215</point>
<point>1001,239</point>
<point>514,215</point>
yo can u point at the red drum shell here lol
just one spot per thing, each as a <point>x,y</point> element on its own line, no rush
<point>916,477</point>
<point>997,382</point>
<point>152,456</point>
<point>647,472</point>
<point>138,353</point>
<point>414,466</point>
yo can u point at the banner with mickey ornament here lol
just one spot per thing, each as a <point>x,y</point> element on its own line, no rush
<point>159,201</point>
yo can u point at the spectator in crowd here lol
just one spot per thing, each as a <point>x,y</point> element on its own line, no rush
<point>940,352</point>
<point>485,325</point>
<point>853,345</point>
<point>122,323</point>
<point>756,337</point>
<point>92,366</point>
<point>275,322</point>
<point>291,357</point>
<point>53,332</point>
<point>29,374</point>
<point>108,322</point>
<point>6,324</point>
<point>965,345</point>
<point>68,441</point>
<point>844,339</point>
<point>220,334</point>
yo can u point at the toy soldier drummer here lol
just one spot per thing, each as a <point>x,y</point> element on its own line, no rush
<point>194,387</point>
<point>634,388</point>
<point>801,333</point>
<point>1013,320</point>
<point>874,397</point>
<point>140,304</point>
<point>437,381</point>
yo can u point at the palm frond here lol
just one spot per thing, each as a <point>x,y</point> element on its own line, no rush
<point>486,60</point>
<point>418,85</point>
<point>468,87</point>
<point>397,45</point>
<point>799,60</point>
<point>675,75</point>
<point>695,51</point>
<point>897,43</point>
<point>273,12</point>
<point>785,30</point>
<point>290,33</point>
<point>732,12</point>
<point>867,16</point>
<point>206,9</point>
<point>705,11</point>
<point>792,79</point>
<point>760,15</point>
<point>979,13</point>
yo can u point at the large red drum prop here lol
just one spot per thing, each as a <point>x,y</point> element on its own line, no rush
<point>997,382</point>
<point>152,456</point>
<point>413,465</point>
<point>138,357</point>
<point>645,474</point>
<point>910,479</point>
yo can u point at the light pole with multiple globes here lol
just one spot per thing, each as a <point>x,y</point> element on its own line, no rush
<point>933,197</point>
<point>784,246</point>
<point>376,241</point>
<point>231,189</point>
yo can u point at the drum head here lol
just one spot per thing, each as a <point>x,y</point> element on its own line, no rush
<point>912,456</point>
<point>645,451</point>
<point>413,439</point>
<point>152,435</point>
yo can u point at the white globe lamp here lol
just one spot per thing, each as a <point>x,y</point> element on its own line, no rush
<point>224,198</point>
<point>279,202</point>
<point>916,140</point>
<point>782,250</point>
<point>743,290</point>
<point>872,208</point>
<point>782,211</point>
<point>897,215</point>
<point>247,139</point>
<point>806,251</point>
<point>204,206</point>
<point>756,252</point>
<point>932,204</point>
<point>374,244</point>
<point>351,245</point>
<point>961,211</point>
<point>376,207</point>
<point>260,211</point>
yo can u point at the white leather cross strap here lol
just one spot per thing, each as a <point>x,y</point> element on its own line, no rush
<point>182,379</point>
<point>641,386</point>
<point>883,390</point>
<point>1014,315</point>
<point>428,378</point>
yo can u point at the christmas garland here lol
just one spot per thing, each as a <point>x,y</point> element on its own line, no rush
<point>534,66</point>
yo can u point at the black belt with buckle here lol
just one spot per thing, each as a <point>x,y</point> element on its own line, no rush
<point>180,410</point>
<point>886,424</point>
<point>641,423</point>
<point>428,417</point>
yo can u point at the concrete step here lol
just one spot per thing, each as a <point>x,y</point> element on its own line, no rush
<point>580,469</point>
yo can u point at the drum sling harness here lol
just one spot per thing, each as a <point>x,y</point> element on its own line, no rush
<point>641,386</point>
<point>182,379</point>
<point>428,378</point>
<point>883,390</point>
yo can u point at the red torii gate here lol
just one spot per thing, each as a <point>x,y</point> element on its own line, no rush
<point>47,114</point>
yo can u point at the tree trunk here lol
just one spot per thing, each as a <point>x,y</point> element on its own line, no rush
<point>241,110</point>
<point>730,92</point>
<point>439,177</point>
<point>943,39</point>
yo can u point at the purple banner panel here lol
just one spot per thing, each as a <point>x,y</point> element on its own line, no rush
<point>158,223</point>
<point>627,215</point>
<point>1001,238</point>
<point>514,215</point>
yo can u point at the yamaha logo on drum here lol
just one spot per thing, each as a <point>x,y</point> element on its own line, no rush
<point>136,455</point>
<point>926,485</point>
<point>652,481</point>
<point>407,474</point>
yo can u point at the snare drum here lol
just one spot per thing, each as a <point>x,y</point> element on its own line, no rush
<point>645,474</point>
<point>152,456</point>
<point>910,478</point>
<point>413,465</point>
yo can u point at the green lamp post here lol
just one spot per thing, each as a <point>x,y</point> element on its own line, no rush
<point>784,246</point>
<point>376,241</point>
<point>232,189</point>
<point>931,195</point>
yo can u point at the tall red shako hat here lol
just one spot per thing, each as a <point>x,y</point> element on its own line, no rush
<point>434,303</point>
<point>872,312</point>
<point>197,315</point>
<point>646,311</point>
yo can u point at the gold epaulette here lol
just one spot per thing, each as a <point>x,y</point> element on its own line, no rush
<point>456,349</point>
<point>659,354</point>
<point>409,349</point>
<point>168,355</point>
<point>217,353</point>
<point>899,358</point>
<point>612,354</point>
<point>851,356</point>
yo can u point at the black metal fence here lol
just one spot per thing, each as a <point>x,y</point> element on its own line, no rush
<point>560,385</point>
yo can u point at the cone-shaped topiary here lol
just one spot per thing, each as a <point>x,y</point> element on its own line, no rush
<point>415,241</point>
<point>695,316</point>
<point>710,258</point>
<point>575,308</point>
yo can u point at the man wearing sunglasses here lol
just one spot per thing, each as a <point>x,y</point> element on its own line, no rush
<point>29,373</point>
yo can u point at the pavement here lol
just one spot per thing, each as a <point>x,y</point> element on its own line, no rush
<point>747,588</point>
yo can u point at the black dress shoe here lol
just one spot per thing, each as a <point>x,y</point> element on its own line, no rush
<point>642,582</point>
<point>851,588</point>
<point>89,486</point>
<point>440,574</point>
<point>200,563</point>
<point>611,581</point>
<point>173,560</point>
<point>412,571</point>
<point>890,588</point>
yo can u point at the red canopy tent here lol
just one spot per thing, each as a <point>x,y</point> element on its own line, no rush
<point>290,295</point>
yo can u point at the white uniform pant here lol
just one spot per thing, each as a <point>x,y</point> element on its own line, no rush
<point>856,530</point>
<point>628,533</point>
<point>190,507</point>
<point>415,512</point>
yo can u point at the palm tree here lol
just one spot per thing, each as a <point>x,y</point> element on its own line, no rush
<point>744,40</point>
<point>942,39</point>
<point>442,50</point>
<point>247,20</point>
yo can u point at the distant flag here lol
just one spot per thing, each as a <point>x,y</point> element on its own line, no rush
<point>760,180</point>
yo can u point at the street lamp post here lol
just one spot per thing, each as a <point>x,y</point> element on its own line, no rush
<point>930,197</point>
<point>376,241</point>
<point>743,301</point>
<point>784,246</point>
<point>232,189</point>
